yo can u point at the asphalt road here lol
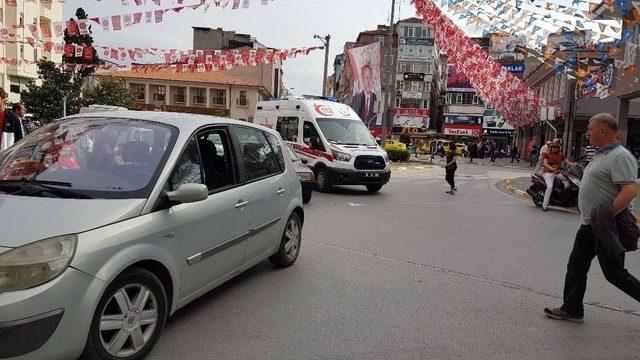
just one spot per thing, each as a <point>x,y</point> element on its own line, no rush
<point>413,273</point>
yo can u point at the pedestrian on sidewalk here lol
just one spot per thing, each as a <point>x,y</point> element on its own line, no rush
<point>10,125</point>
<point>493,152</point>
<point>473,151</point>
<point>450,169</point>
<point>609,181</point>
<point>515,154</point>
<point>533,157</point>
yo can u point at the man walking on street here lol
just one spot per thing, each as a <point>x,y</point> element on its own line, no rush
<point>450,168</point>
<point>609,181</point>
<point>515,154</point>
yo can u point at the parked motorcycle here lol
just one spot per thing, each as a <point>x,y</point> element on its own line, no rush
<point>565,190</point>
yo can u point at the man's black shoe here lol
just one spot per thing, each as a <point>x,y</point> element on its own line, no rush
<point>560,314</point>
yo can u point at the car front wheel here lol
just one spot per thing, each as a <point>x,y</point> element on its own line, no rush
<point>323,183</point>
<point>129,318</point>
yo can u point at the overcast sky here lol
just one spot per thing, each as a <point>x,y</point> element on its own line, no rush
<point>281,24</point>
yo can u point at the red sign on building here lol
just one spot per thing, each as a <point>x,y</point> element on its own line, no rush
<point>462,130</point>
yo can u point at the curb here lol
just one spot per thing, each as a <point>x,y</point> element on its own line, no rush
<point>509,187</point>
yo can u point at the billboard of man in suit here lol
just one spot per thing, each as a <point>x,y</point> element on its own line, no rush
<point>365,63</point>
<point>364,102</point>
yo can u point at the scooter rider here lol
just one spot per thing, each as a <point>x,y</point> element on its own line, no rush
<point>552,160</point>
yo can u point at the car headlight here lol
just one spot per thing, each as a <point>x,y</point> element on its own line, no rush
<point>36,263</point>
<point>340,156</point>
<point>385,156</point>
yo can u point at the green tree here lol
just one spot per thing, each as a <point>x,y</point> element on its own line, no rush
<point>57,84</point>
<point>110,91</point>
<point>81,40</point>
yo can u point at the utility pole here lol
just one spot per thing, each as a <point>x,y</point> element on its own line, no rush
<point>326,41</point>
<point>389,99</point>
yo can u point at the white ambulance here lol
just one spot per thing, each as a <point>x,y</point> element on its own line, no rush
<point>331,139</point>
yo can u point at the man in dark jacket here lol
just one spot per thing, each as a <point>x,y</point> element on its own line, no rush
<point>10,124</point>
<point>607,188</point>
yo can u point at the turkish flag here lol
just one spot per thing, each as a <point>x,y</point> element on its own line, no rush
<point>72,28</point>
<point>87,53</point>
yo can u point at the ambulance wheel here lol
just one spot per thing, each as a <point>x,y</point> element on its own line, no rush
<point>323,183</point>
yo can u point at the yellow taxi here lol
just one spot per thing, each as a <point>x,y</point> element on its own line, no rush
<point>394,145</point>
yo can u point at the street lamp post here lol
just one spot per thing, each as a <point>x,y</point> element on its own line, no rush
<point>389,99</point>
<point>326,41</point>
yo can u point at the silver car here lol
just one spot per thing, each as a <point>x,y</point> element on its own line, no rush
<point>110,222</point>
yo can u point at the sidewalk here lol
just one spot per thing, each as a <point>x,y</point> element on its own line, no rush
<point>518,187</point>
<point>439,161</point>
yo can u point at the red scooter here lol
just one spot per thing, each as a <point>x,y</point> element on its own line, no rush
<point>565,190</point>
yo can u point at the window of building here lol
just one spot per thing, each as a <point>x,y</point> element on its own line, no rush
<point>21,21</point>
<point>242,99</point>
<point>477,100</point>
<point>219,97</point>
<point>411,103</point>
<point>427,87</point>
<point>14,88</point>
<point>379,39</point>
<point>35,54</point>
<point>259,159</point>
<point>418,31</point>
<point>288,128</point>
<point>425,104</point>
<point>403,68</point>
<point>200,96</point>
<point>181,95</point>
<point>160,93</point>
<point>398,101</point>
<point>408,32</point>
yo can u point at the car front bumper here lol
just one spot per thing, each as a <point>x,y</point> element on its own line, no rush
<point>358,177</point>
<point>50,321</point>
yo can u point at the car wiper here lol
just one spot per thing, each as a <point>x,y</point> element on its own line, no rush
<point>38,187</point>
<point>334,141</point>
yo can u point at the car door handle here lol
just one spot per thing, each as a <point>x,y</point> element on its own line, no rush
<point>241,204</point>
<point>281,191</point>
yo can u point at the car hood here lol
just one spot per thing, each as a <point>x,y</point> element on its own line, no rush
<point>26,219</point>
<point>359,149</point>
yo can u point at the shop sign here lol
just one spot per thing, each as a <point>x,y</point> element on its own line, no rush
<point>411,121</point>
<point>497,132</point>
<point>411,95</point>
<point>416,41</point>
<point>514,68</point>
<point>494,124</point>
<point>462,130</point>
<point>413,76</point>
<point>411,112</point>
<point>414,57</point>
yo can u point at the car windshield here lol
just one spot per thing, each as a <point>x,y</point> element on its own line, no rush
<point>346,132</point>
<point>91,156</point>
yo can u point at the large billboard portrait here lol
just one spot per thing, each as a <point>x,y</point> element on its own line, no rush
<point>365,64</point>
<point>457,80</point>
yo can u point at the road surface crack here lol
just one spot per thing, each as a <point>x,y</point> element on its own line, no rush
<point>478,278</point>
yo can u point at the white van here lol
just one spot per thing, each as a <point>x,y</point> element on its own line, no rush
<point>331,139</point>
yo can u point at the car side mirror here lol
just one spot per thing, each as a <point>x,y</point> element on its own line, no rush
<point>189,193</point>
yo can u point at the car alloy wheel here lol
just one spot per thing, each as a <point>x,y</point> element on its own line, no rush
<point>292,236</point>
<point>128,320</point>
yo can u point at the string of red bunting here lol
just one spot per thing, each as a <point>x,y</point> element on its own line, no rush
<point>518,103</point>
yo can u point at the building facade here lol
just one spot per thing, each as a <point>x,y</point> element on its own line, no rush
<point>208,93</point>
<point>14,78</point>
<point>463,111</point>
<point>267,75</point>
<point>416,75</point>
